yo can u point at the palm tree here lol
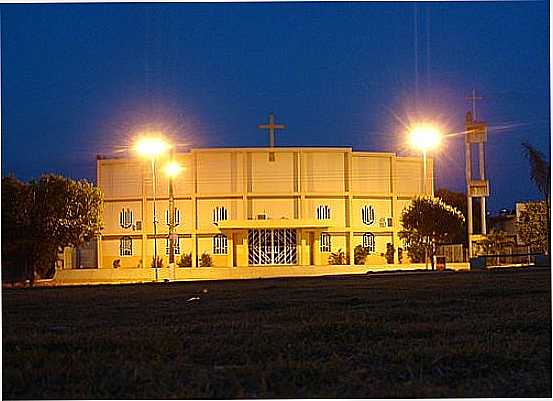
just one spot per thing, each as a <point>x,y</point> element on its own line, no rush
<point>540,174</point>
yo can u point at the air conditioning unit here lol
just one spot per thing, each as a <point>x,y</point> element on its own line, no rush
<point>385,222</point>
<point>262,216</point>
<point>138,226</point>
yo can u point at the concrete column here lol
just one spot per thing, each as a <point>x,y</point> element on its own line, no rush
<point>99,252</point>
<point>481,165</point>
<point>230,246</point>
<point>468,175</point>
<point>351,248</point>
<point>483,214</point>
<point>395,214</point>
<point>317,248</point>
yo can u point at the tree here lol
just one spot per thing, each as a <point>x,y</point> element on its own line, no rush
<point>16,206</point>
<point>58,212</point>
<point>532,226</point>
<point>540,174</point>
<point>65,213</point>
<point>459,201</point>
<point>426,222</point>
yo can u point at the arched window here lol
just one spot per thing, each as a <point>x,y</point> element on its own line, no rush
<point>219,213</point>
<point>220,244</point>
<point>325,242</point>
<point>368,242</point>
<point>367,215</point>
<point>177,217</point>
<point>176,246</point>
<point>125,218</point>
<point>323,212</point>
<point>125,246</point>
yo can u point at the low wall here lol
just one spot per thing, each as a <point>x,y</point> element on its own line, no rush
<point>117,276</point>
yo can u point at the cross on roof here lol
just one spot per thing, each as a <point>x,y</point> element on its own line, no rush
<point>473,98</point>
<point>271,127</point>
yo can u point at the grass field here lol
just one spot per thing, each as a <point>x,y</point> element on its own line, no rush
<point>484,334</point>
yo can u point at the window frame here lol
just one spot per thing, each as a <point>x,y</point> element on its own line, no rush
<point>325,242</point>
<point>220,213</point>
<point>177,246</point>
<point>125,245</point>
<point>368,215</point>
<point>369,242</point>
<point>126,218</point>
<point>177,217</point>
<point>220,244</point>
<point>323,212</point>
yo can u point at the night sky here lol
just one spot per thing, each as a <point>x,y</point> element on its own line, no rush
<point>83,79</point>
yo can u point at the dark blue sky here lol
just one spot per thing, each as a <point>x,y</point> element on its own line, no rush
<point>82,79</point>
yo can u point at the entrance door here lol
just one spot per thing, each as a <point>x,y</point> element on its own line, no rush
<point>272,247</point>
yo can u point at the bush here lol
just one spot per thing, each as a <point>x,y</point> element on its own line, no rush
<point>337,258</point>
<point>117,263</point>
<point>390,253</point>
<point>156,263</point>
<point>205,260</point>
<point>360,254</point>
<point>185,260</point>
<point>400,255</point>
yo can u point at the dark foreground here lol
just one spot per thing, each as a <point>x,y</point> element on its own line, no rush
<point>427,335</point>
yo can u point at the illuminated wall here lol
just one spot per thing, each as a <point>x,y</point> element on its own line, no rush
<point>247,184</point>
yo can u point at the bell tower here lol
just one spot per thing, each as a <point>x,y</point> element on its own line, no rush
<point>476,133</point>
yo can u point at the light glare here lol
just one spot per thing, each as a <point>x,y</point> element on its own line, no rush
<point>173,169</point>
<point>425,137</point>
<point>151,146</point>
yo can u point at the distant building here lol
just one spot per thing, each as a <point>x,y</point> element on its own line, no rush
<point>506,221</point>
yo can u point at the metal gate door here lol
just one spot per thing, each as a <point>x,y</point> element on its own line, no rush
<point>272,247</point>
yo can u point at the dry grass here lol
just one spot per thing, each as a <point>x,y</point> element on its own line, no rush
<point>421,335</point>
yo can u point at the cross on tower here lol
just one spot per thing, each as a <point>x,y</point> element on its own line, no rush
<point>271,127</point>
<point>473,98</point>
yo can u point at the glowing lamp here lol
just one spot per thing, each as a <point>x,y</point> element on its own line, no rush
<point>151,146</point>
<point>173,169</point>
<point>425,137</point>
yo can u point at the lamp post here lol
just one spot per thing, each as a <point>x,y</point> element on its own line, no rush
<point>152,147</point>
<point>425,137</point>
<point>172,170</point>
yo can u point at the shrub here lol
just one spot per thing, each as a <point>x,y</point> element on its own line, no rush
<point>337,258</point>
<point>117,263</point>
<point>390,253</point>
<point>185,260</point>
<point>205,260</point>
<point>360,254</point>
<point>157,263</point>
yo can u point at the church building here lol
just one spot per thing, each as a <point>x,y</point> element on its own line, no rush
<point>257,206</point>
<point>250,212</point>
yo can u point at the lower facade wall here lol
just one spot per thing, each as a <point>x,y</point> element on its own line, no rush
<point>308,249</point>
<point>116,276</point>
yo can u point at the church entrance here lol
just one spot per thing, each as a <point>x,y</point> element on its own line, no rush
<point>272,247</point>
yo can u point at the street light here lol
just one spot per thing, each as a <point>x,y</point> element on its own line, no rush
<point>172,169</point>
<point>425,137</point>
<point>151,148</point>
